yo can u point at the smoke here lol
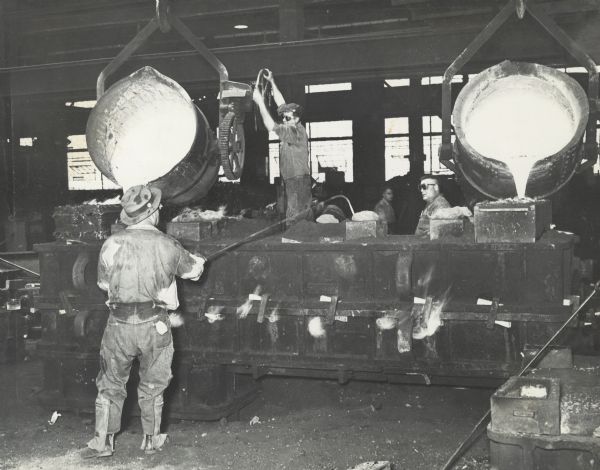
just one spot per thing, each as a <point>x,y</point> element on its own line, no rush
<point>198,214</point>
<point>424,281</point>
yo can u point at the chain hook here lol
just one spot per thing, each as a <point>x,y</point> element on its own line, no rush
<point>520,7</point>
<point>162,15</point>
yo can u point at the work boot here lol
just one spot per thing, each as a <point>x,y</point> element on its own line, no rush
<point>107,451</point>
<point>150,443</point>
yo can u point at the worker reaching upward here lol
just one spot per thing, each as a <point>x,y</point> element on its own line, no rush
<point>293,149</point>
<point>137,267</point>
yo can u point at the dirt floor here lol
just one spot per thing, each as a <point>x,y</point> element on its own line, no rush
<point>300,425</point>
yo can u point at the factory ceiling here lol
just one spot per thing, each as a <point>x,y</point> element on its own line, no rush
<point>61,46</point>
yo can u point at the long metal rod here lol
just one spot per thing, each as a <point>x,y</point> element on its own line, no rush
<point>253,236</point>
<point>479,428</point>
<point>20,267</point>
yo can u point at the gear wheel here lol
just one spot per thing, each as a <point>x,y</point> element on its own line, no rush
<point>231,146</point>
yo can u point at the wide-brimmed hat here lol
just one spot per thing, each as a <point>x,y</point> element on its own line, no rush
<point>139,202</point>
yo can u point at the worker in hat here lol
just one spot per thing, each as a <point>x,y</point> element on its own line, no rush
<point>430,190</point>
<point>293,150</point>
<point>138,266</point>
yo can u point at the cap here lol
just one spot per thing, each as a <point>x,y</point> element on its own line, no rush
<point>289,108</point>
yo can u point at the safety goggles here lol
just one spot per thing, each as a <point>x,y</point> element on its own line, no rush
<point>288,118</point>
<point>426,185</point>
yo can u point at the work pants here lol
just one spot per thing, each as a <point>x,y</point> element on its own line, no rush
<point>298,197</point>
<point>126,338</point>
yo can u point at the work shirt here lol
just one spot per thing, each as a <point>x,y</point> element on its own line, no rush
<point>293,150</point>
<point>438,203</point>
<point>139,264</point>
<point>385,211</point>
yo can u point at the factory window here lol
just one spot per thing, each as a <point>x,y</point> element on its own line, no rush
<point>438,79</point>
<point>329,146</point>
<point>82,173</point>
<point>397,82</point>
<point>325,87</point>
<point>396,147</point>
<point>432,139</point>
<point>576,70</point>
<point>81,104</point>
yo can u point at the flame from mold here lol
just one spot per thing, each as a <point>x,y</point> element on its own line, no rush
<point>429,325</point>
<point>244,309</point>
<point>386,323</point>
<point>316,328</point>
<point>274,316</point>
<point>214,313</point>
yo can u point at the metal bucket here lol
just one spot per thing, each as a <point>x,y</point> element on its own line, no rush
<point>146,130</point>
<point>558,157</point>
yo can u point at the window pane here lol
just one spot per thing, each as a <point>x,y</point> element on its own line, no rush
<point>397,125</point>
<point>83,174</point>
<point>335,154</point>
<point>326,129</point>
<point>396,153</point>
<point>398,82</point>
<point>321,88</point>
<point>432,124</point>
<point>431,145</point>
<point>438,79</point>
<point>273,161</point>
<point>78,142</point>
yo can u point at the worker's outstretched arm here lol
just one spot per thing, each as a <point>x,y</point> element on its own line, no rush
<point>190,266</point>
<point>277,96</point>
<point>264,112</point>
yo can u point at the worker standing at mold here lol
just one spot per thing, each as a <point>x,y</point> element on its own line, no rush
<point>434,200</point>
<point>294,165</point>
<point>137,267</point>
<point>384,208</point>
